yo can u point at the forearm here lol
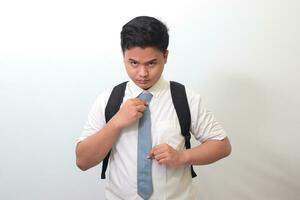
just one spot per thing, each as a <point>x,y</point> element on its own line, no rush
<point>92,150</point>
<point>208,152</point>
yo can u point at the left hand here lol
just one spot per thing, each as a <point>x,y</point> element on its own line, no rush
<point>167,155</point>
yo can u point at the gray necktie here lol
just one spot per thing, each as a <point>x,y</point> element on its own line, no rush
<point>144,168</point>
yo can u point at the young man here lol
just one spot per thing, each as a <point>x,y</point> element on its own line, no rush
<point>144,41</point>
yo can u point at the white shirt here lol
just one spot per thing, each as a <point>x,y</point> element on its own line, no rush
<point>169,183</point>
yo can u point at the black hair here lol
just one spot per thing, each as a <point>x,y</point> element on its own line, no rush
<point>145,31</point>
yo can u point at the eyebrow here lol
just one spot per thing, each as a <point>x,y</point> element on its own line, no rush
<point>152,60</point>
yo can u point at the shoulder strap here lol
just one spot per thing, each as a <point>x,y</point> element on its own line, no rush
<point>181,105</point>
<point>113,105</point>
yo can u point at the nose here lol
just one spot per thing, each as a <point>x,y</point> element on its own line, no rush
<point>143,71</point>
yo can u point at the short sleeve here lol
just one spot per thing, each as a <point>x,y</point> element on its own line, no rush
<point>96,118</point>
<point>204,126</point>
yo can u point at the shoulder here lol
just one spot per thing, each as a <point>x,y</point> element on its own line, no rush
<point>194,99</point>
<point>190,93</point>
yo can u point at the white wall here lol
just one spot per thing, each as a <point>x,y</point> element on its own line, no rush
<point>242,56</point>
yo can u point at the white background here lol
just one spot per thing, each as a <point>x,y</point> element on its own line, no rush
<point>241,56</point>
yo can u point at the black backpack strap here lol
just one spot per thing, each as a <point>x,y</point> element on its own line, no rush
<point>181,105</point>
<point>112,107</point>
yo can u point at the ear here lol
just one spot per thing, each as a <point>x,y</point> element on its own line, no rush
<point>166,55</point>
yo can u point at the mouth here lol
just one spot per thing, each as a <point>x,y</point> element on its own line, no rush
<point>143,82</point>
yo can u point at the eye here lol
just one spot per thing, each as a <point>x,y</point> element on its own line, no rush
<point>133,63</point>
<point>152,63</point>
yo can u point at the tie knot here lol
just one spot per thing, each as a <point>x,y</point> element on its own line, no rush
<point>146,96</point>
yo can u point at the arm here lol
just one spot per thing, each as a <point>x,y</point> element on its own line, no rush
<point>206,153</point>
<point>92,150</point>
<point>203,127</point>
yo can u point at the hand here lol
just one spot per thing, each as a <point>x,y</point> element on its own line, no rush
<point>129,112</point>
<point>167,155</point>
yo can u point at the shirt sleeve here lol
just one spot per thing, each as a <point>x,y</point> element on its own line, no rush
<point>204,126</point>
<point>96,117</point>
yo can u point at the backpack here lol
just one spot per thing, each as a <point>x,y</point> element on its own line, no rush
<point>180,103</point>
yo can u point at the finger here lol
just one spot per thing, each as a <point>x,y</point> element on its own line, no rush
<point>163,161</point>
<point>151,154</point>
<point>159,151</point>
<point>139,101</point>
<point>160,148</point>
<point>140,108</point>
<point>135,102</point>
<point>139,115</point>
<point>158,157</point>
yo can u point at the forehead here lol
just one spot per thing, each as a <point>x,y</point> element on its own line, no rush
<point>142,54</point>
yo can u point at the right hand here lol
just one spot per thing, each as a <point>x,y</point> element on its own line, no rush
<point>129,112</point>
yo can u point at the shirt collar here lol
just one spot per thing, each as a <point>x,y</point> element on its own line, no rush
<point>155,90</point>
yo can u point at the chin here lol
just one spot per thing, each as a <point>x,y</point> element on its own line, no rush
<point>144,86</point>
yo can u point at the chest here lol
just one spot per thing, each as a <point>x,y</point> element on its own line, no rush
<point>165,126</point>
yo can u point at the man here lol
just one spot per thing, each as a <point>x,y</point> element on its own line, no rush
<point>144,41</point>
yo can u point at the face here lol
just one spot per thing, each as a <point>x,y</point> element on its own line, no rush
<point>144,66</point>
